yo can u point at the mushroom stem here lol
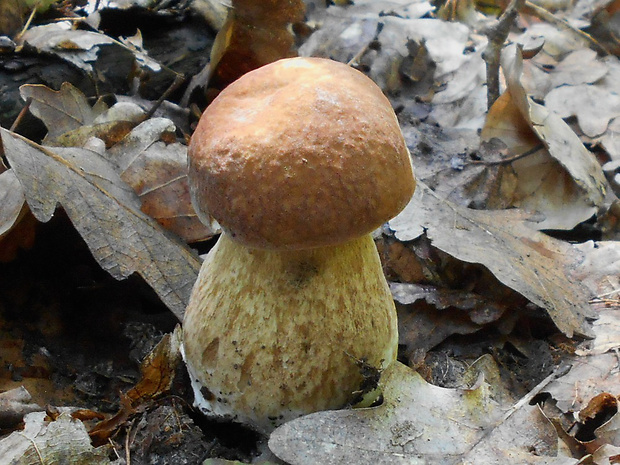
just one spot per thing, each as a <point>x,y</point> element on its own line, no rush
<point>278,334</point>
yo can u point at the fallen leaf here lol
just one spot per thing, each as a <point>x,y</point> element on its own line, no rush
<point>106,213</point>
<point>606,329</point>
<point>155,170</point>
<point>158,370</point>
<point>61,111</point>
<point>588,377</point>
<point>593,105</point>
<point>419,423</point>
<point>606,455</point>
<point>79,47</point>
<point>61,441</point>
<point>438,313</point>
<point>524,260</point>
<point>563,181</point>
<point>158,173</point>
<point>578,67</point>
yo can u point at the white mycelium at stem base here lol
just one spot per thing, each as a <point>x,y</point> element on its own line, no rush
<point>271,335</point>
<point>299,161</point>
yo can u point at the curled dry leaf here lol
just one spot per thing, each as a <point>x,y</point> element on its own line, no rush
<point>158,370</point>
<point>527,261</point>
<point>79,47</point>
<point>563,181</point>
<point>106,213</point>
<point>419,423</point>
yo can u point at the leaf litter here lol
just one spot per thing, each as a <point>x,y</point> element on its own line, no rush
<point>451,251</point>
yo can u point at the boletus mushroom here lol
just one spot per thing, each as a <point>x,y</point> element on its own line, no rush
<point>299,161</point>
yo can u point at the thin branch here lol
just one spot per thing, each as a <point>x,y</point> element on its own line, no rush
<point>497,36</point>
<point>507,161</point>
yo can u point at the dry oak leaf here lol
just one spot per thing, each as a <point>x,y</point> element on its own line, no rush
<point>419,423</point>
<point>563,180</point>
<point>588,377</point>
<point>106,213</point>
<point>63,440</point>
<point>61,111</point>
<point>155,170</point>
<point>158,173</point>
<point>71,121</point>
<point>525,260</point>
<point>593,105</point>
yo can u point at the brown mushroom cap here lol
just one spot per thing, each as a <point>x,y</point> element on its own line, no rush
<point>300,153</point>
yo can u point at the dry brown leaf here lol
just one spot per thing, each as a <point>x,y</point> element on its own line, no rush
<point>438,313</point>
<point>588,377</point>
<point>155,170</point>
<point>158,371</point>
<point>79,47</point>
<point>63,440</point>
<point>593,105</point>
<point>529,262</point>
<point>158,368</point>
<point>158,173</point>
<point>419,423</point>
<point>106,213</point>
<point>61,111</point>
<point>563,181</point>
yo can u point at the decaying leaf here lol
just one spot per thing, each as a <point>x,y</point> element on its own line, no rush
<point>106,212</point>
<point>79,47</point>
<point>563,181</point>
<point>521,258</point>
<point>61,111</point>
<point>425,325</point>
<point>63,440</point>
<point>156,170</point>
<point>158,374</point>
<point>419,423</point>
<point>593,105</point>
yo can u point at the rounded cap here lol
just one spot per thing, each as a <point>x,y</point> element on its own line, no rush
<point>303,152</point>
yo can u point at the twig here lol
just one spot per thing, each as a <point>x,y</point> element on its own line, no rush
<point>497,37</point>
<point>507,161</point>
<point>30,18</point>
<point>178,80</point>
<point>21,114</point>
<point>607,294</point>
<point>127,446</point>
<point>549,17</point>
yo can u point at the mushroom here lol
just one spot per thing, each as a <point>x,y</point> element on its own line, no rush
<point>299,161</point>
